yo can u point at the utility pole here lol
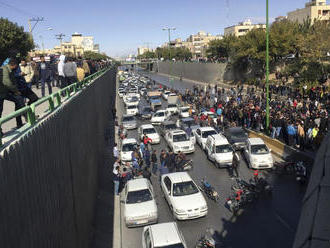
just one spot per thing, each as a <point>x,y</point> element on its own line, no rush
<point>169,50</point>
<point>36,20</point>
<point>60,37</point>
<point>267,68</point>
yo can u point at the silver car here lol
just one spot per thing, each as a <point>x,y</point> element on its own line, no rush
<point>129,122</point>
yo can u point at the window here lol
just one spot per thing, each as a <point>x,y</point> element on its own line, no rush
<point>138,196</point>
<point>184,188</point>
<point>259,149</point>
<point>147,239</point>
<point>198,131</point>
<point>208,133</point>
<point>129,147</point>
<point>224,149</point>
<point>180,138</point>
<point>149,131</point>
<point>167,183</point>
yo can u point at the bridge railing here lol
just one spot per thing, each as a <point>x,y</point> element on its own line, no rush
<point>54,101</point>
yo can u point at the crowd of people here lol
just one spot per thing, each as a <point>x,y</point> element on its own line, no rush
<point>18,76</point>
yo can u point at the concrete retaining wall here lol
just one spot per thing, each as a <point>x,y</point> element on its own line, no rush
<point>49,177</point>
<point>202,72</point>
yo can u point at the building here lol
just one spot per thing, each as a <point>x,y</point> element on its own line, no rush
<point>243,28</point>
<point>280,18</point>
<point>142,50</point>
<point>314,10</point>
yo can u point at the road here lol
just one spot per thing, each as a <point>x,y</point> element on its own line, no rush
<point>270,222</point>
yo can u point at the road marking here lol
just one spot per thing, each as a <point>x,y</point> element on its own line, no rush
<point>284,223</point>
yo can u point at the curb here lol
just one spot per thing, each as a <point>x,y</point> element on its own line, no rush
<point>116,240</point>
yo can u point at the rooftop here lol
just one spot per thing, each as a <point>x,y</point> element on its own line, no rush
<point>137,184</point>
<point>166,233</point>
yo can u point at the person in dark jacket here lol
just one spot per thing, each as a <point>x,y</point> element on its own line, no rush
<point>147,157</point>
<point>45,75</point>
<point>146,174</point>
<point>23,87</point>
<point>154,162</point>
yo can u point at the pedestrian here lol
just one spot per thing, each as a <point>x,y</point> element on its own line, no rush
<point>154,162</point>
<point>116,178</point>
<point>86,68</point>
<point>301,136</point>
<point>147,157</point>
<point>61,76</point>
<point>27,72</point>
<point>45,74</point>
<point>235,164</point>
<point>115,151</point>
<point>80,73</point>
<point>70,71</point>
<point>116,163</point>
<point>163,170</point>
<point>9,90</point>
<point>146,174</point>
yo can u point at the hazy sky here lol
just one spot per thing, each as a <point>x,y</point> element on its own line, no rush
<point>121,26</point>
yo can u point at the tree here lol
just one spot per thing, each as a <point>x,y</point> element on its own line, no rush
<point>178,53</point>
<point>221,48</point>
<point>147,55</point>
<point>13,40</point>
<point>95,56</point>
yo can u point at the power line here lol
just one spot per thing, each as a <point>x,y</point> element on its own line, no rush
<point>17,9</point>
<point>36,20</point>
<point>60,37</point>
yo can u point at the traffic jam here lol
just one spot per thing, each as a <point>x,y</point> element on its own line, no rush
<point>175,161</point>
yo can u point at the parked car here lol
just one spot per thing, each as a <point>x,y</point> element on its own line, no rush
<point>202,133</point>
<point>178,141</point>
<point>129,122</point>
<point>153,236</point>
<point>139,203</point>
<point>145,112</point>
<point>172,108</point>
<point>131,100</point>
<point>127,147</point>
<point>184,123</point>
<point>167,126</point>
<point>257,154</point>
<point>219,151</point>
<point>150,131</point>
<point>183,112</point>
<point>236,136</point>
<point>165,94</point>
<point>132,109</point>
<point>160,116</point>
<point>209,114</point>
<point>183,196</point>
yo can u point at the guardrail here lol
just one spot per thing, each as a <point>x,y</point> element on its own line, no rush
<point>54,101</point>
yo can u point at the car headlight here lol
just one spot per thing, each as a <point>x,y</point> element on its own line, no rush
<point>153,214</point>
<point>129,218</point>
<point>180,211</point>
<point>204,207</point>
<point>192,146</point>
<point>176,147</point>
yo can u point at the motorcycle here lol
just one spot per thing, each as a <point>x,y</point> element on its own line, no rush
<point>187,165</point>
<point>240,199</point>
<point>261,185</point>
<point>208,240</point>
<point>301,172</point>
<point>209,191</point>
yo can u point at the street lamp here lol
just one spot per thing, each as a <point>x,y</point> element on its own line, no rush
<point>267,68</point>
<point>169,48</point>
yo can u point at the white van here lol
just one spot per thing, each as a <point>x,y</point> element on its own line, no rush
<point>219,150</point>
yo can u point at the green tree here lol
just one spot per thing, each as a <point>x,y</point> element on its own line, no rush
<point>221,48</point>
<point>13,40</point>
<point>95,56</point>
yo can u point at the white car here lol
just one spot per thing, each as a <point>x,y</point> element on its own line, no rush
<point>150,131</point>
<point>160,116</point>
<point>165,94</point>
<point>257,154</point>
<point>163,235</point>
<point>178,141</point>
<point>183,112</point>
<point>127,147</point>
<point>139,203</point>
<point>211,114</point>
<point>129,101</point>
<point>172,108</point>
<point>202,133</point>
<point>183,196</point>
<point>219,151</point>
<point>132,109</point>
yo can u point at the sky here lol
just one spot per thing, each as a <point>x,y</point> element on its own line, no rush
<point>123,25</point>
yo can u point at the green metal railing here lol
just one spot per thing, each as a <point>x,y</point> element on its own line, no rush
<point>54,100</point>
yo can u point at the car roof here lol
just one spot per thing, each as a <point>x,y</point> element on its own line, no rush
<point>147,126</point>
<point>129,140</point>
<point>161,110</point>
<point>256,141</point>
<point>165,234</point>
<point>137,184</point>
<point>125,115</point>
<point>184,107</point>
<point>168,123</point>
<point>187,119</point>
<point>178,177</point>
<point>177,131</point>
<point>219,139</point>
<point>203,129</point>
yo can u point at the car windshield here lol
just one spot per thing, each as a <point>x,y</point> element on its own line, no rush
<point>133,99</point>
<point>147,110</point>
<point>149,130</point>
<point>170,126</point>
<point>160,114</point>
<point>208,133</point>
<point>185,110</point>
<point>138,196</point>
<point>259,149</point>
<point>129,147</point>
<point>223,149</point>
<point>171,246</point>
<point>180,137</point>
<point>171,106</point>
<point>184,188</point>
<point>128,118</point>
<point>131,107</point>
<point>154,98</point>
<point>189,122</point>
<point>238,133</point>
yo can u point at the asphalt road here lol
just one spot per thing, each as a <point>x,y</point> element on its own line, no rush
<point>270,222</point>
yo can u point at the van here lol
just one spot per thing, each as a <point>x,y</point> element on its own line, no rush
<point>219,151</point>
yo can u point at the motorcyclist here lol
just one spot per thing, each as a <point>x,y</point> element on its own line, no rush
<point>180,160</point>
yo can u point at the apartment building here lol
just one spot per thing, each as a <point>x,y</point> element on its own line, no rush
<point>242,28</point>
